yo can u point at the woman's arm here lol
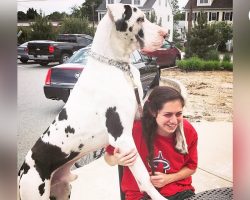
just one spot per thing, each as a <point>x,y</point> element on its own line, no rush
<point>124,159</point>
<point>160,179</point>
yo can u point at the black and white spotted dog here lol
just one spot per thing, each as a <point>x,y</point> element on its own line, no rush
<point>100,110</point>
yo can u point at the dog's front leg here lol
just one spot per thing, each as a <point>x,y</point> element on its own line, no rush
<point>125,143</point>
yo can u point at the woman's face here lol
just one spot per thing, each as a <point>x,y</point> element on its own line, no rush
<point>169,117</point>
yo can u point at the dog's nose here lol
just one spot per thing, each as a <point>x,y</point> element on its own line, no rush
<point>163,33</point>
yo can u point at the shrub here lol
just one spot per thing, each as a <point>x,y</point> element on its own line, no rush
<point>179,46</point>
<point>42,29</point>
<point>226,65</point>
<point>197,64</point>
<point>211,65</point>
<point>227,57</point>
<point>75,25</point>
<point>191,64</point>
<point>212,55</point>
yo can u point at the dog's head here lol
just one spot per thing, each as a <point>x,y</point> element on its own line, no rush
<point>131,30</point>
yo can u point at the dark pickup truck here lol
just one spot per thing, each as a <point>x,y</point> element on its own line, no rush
<point>45,51</point>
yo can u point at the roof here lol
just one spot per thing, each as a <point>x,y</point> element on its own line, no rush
<point>221,4</point>
<point>102,6</point>
<point>149,4</point>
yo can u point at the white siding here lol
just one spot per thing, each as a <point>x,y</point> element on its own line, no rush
<point>218,12</point>
<point>164,13</point>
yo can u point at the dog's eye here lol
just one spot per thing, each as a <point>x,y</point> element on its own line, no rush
<point>140,19</point>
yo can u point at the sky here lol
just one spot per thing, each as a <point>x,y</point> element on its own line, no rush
<point>50,6</point>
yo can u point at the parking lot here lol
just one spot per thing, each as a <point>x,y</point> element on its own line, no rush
<point>35,112</point>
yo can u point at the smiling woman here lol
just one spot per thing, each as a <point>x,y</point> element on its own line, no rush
<point>156,137</point>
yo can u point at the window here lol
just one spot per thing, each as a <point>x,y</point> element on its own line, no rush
<point>137,2</point>
<point>137,57</point>
<point>213,16</point>
<point>101,15</point>
<point>227,16</point>
<point>168,18</point>
<point>84,41</point>
<point>159,2</point>
<point>193,16</point>
<point>166,3</point>
<point>166,44</point>
<point>110,1</point>
<point>203,1</point>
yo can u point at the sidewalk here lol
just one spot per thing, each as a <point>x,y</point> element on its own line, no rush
<point>98,181</point>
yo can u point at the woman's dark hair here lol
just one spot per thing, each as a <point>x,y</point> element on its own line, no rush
<point>158,97</point>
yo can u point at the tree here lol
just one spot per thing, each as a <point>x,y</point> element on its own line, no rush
<point>179,16</point>
<point>25,35</point>
<point>202,39</point>
<point>76,25</point>
<point>42,29</point>
<point>175,7</point>
<point>176,12</point>
<point>86,10</point>
<point>31,13</point>
<point>224,32</point>
<point>57,16</point>
<point>21,16</point>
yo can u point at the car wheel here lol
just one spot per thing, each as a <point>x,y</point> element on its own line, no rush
<point>176,59</point>
<point>43,63</point>
<point>64,57</point>
<point>24,60</point>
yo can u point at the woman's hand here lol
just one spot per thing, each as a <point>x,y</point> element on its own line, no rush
<point>125,159</point>
<point>160,179</point>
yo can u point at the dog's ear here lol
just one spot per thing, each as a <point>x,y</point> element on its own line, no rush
<point>109,10</point>
<point>116,17</point>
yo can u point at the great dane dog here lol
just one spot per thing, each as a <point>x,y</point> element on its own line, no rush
<point>100,110</point>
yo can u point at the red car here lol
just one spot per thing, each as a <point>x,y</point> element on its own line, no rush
<point>167,55</point>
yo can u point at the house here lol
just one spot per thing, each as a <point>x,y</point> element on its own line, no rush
<point>216,10</point>
<point>181,30</point>
<point>162,9</point>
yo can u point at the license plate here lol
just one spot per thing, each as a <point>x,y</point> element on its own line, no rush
<point>42,57</point>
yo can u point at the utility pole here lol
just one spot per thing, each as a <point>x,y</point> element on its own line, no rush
<point>190,17</point>
<point>93,14</point>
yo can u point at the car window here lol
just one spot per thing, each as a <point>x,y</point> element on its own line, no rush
<point>132,58</point>
<point>84,41</point>
<point>80,56</point>
<point>24,44</point>
<point>137,57</point>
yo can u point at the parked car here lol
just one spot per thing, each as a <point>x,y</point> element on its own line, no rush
<point>23,53</point>
<point>60,50</point>
<point>167,55</point>
<point>61,79</point>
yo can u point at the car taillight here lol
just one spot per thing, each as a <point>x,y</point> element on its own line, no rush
<point>51,49</point>
<point>48,78</point>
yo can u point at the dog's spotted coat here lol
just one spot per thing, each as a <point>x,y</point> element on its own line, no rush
<point>100,110</point>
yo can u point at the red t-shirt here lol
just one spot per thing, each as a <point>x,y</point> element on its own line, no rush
<point>166,160</point>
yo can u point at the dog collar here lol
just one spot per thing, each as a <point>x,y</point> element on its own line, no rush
<point>124,66</point>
